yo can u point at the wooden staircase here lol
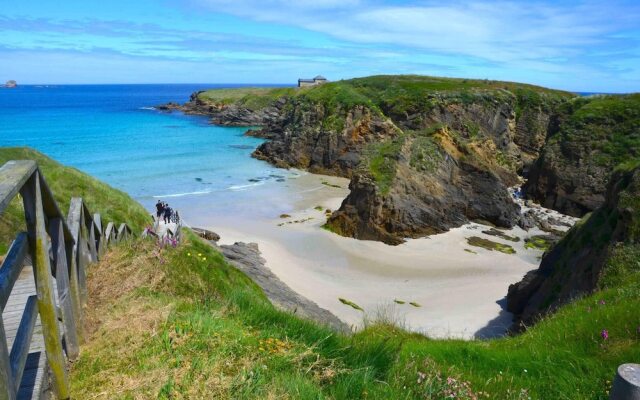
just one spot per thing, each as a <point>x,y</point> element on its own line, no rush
<point>43,284</point>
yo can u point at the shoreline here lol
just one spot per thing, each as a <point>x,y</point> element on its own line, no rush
<point>458,293</point>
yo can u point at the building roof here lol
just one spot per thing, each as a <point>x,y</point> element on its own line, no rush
<point>320,78</point>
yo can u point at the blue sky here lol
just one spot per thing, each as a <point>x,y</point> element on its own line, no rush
<point>573,45</point>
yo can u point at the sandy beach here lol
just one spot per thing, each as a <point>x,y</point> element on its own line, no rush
<point>458,290</point>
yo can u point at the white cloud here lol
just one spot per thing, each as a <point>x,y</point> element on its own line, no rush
<point>503,32</point>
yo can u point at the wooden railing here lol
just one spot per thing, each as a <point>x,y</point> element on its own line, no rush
<point>59,249</point>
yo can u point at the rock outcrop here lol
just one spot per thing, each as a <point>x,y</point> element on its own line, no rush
<point>599,250</point>
<point>435,185</point>
<point>444,158</point>
<point>424,154</point>
<point>223,112</point>
<point>588,139</point>
<point>11,84</point>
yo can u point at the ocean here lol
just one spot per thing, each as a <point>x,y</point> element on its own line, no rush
<point>113,133</point>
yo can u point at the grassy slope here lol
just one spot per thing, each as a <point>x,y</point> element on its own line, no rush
<point>65,183</point>
<point>608,127</point>
<point>186,325</point>
<point>393,93</point>
<point>251,98</point>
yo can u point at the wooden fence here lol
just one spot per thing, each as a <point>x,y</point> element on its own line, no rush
<point>57,248</point>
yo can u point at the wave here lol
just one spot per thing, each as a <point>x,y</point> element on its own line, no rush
<point>243,187</point>
<point>182,194</point>
<point>147,108</point>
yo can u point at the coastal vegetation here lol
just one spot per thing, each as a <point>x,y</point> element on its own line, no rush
<point>400,139</point>
<point>65,183</point>
<point>595,135</point>
<point>186,324</point>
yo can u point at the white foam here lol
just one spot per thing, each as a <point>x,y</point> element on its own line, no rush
<point>147,108</point>
<point>244,187</point>
<point>182,194</point>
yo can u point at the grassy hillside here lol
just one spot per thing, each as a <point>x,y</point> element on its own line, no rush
<point>186,325</point>
<point>607,126</point>
<point>393,94</point>
<point>251,98</point>
<point>65,183</point>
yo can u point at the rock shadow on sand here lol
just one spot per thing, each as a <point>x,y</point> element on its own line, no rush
<point>498,326</point>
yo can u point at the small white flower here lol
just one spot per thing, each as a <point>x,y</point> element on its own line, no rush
<point>525,370</point>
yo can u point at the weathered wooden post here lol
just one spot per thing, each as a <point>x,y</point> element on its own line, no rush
<point>626,384</point>
<point>74,252</point>
<point>88,254</point>
<point>39,249</point>
<point>7,383</point>
<point>65,296</point>
<point>93,247</point>
<point>100,240</point>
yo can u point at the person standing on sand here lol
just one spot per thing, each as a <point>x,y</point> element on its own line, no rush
<point>159,209</point>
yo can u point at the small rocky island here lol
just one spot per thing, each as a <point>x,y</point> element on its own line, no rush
<point>11,84</point>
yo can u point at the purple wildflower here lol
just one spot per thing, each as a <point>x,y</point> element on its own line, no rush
<point>602,302</point>
<point>604,334</point>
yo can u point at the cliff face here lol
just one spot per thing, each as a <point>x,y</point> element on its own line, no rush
<point>421,161</point>
<point>590,138</point>
<point>311,136</point>
<point>424,154</point>
<point>234,107</point>
<point>600,250</point>
<point>429,186</point>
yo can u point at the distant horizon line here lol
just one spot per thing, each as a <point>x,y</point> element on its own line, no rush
<point>264,84</point>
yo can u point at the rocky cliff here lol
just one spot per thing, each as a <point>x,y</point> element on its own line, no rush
<point>588,139</point>
<point>599,251</point>
<point>424,154</point>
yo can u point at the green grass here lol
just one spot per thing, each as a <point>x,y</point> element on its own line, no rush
<point>186,327</point>
<point>251,98</point>
<point>605,127</point>
<point>381,159</point>
<point>65,183</point>
<point>391,95</point>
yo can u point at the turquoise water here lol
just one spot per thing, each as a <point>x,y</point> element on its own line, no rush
<point>113,133</point>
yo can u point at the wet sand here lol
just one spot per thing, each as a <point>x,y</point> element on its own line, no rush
<point>457,293</point>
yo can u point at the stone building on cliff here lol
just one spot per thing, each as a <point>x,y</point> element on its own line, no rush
<point>318,80</point>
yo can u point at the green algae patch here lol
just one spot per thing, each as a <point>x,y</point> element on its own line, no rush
<point>399,301</point>
<point>318,208</point>
<point>490,245</point>
<point>470,251</point>
<point>350,304</point>
<point>413,303</point>
<point>331,185</point>
<point>498,233</point>
<point>538,242</point>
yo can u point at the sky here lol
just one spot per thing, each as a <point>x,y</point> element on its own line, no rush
<point>587,46</point>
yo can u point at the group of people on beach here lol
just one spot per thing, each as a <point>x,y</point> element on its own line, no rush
<point>165,212</point>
